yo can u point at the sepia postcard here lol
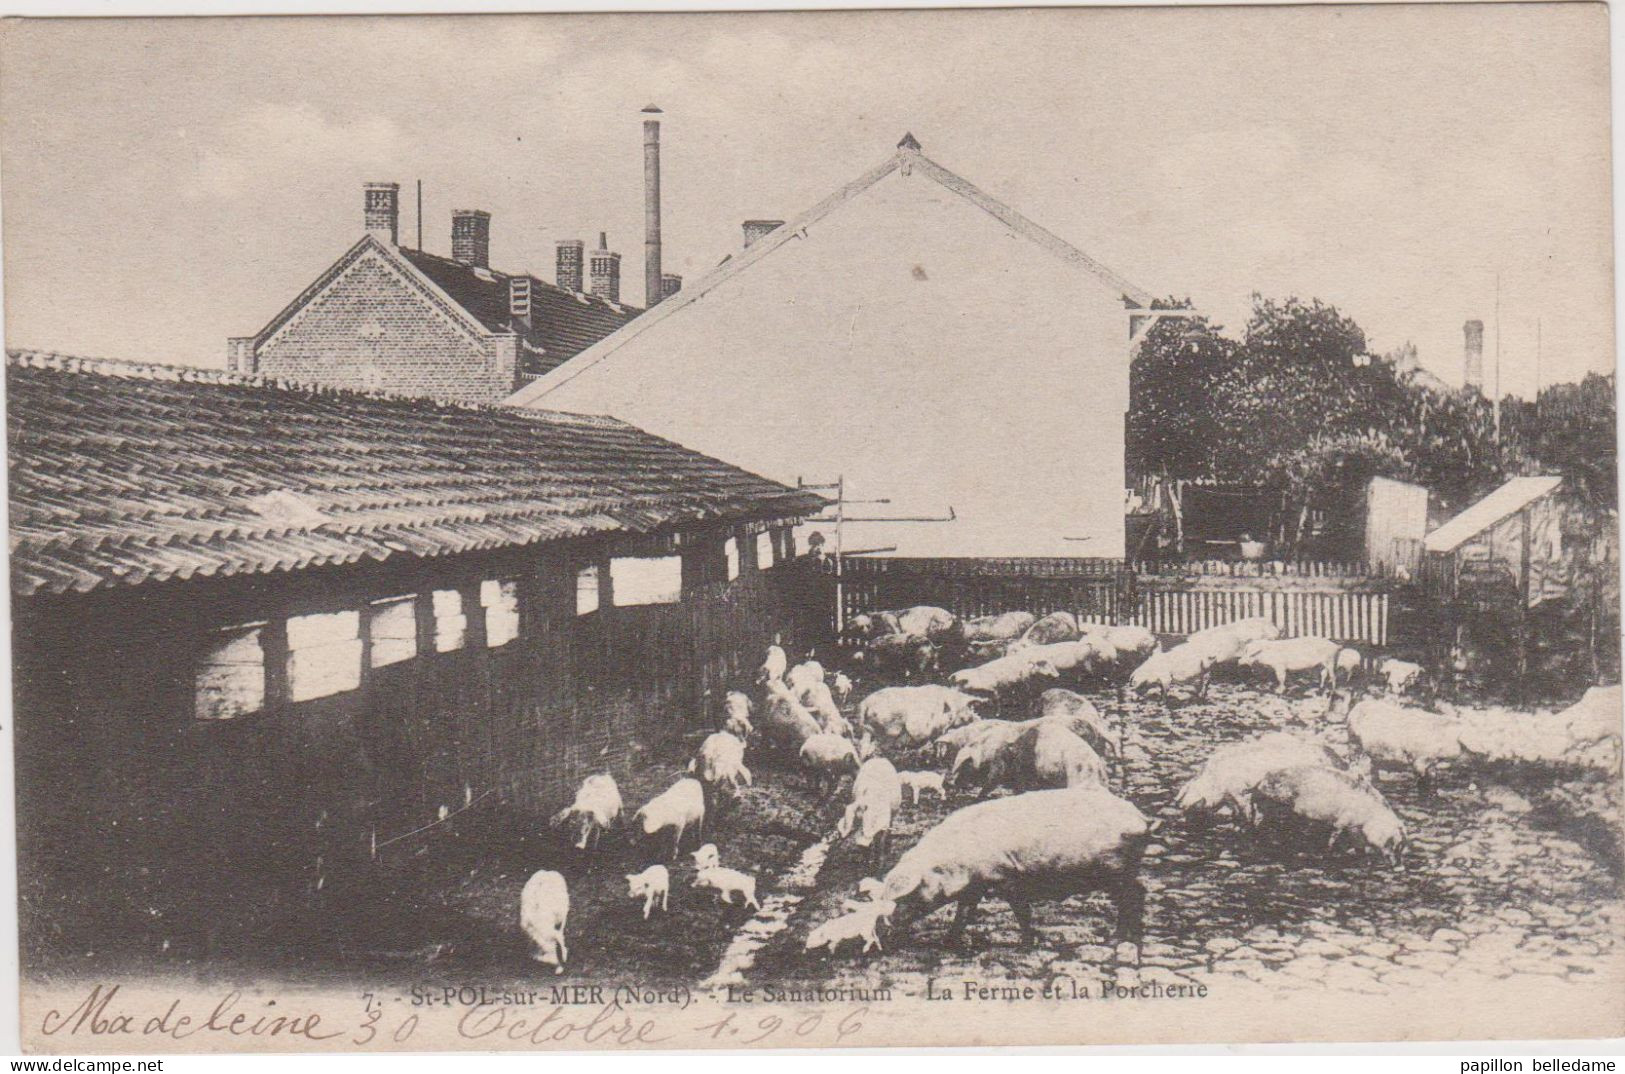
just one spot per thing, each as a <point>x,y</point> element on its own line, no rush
<point>813,530</point>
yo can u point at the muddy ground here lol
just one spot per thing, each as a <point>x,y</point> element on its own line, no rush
<point>1510,871</point>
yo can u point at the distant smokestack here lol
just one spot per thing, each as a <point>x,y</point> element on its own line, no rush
<point>756,229</point>
<point>570,264</point>
<point>1472,374</point>
<point>471,237</point>
<point>605,271</point>
<point>382,210</point>
<point>653,289</point>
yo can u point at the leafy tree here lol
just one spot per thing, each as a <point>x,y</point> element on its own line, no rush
<point>1171,426</point>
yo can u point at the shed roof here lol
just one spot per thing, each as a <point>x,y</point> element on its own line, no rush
<point>123,473</point>
<point>1504,502</point>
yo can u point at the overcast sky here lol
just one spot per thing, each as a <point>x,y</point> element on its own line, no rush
<point>167,184</point>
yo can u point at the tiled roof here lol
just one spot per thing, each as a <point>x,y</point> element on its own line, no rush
<point>562,323</point>
<point>1504,502</point>
<point>122,473</point>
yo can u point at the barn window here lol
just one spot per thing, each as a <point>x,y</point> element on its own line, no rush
<point>324,654</point>
<point>646,580</point>
<point>764,550</point>
<point>392,624</point>
<point>230,678</point>
<point>730,552</point>
<point>500,599</point>
<point>450,624</point>
<point>587,590</point>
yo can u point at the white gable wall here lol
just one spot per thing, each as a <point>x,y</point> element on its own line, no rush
<point>914,344</point>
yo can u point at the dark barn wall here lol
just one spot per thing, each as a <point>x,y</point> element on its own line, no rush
<point>117,779</point>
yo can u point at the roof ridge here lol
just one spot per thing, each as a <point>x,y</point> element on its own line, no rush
<point>175,373</point>
<point>905,159</point>
<point>598,300</point>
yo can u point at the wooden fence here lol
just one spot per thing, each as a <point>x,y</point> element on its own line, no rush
<point>1336,600</point>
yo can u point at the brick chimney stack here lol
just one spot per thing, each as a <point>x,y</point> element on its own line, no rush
<point>653,288</point>
<point>569,264</point>
<point>756,229</point>
<point>605,271</point>
<point>1472,374</point>
<point>381,211</point>
<point>471,237</point>
<point>670,284</point>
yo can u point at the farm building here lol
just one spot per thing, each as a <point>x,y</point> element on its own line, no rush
<point>386,317</point>
<point>913,335</point>
<point>1509,543</point>
<point>274,629</point>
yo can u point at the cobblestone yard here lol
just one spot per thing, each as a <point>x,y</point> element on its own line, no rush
<point>1510,871</point>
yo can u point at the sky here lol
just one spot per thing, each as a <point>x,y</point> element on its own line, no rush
<point>166,184</point>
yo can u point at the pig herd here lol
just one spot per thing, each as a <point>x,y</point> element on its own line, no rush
<point>1008,719</point>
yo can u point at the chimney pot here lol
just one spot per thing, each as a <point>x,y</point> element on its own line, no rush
<point>381,212</point>
<point>670,284</point>
<point>756,229</point>
<point>1472,374</point>
<point>471,237</point>
<point>570,263</point>
<point>605,271</point>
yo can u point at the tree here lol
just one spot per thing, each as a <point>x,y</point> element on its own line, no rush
<point>1171,428</point>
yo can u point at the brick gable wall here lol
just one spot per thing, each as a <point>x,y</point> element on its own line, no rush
<point>370,330</point>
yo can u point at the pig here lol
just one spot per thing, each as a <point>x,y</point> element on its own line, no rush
<point>721,762</point>
<point>915,782</point>
<point>877,794</point>
<point>1225,644</point>
<point>1183,664</point>
<point>1350,663</point>
<point>1335,800</point>
<point>818,699</point>
<point>841,687</point>
<point>680,807</point>
<point>1006,676</point>
<point>946,746</point>
<point>804,675</point>
<point>1074,661</point>
<point>736,712</point>
<point>910,715</point>
<point>1400,676</point>
<point>1395,736</point>
<point>706,857</point>
<point>1230,774</point>
<point>596,809</point>
<point>902,656</point>
<point>1048,845</point>
<point>1054,627</point>
<point>544,906</point>
<point>1044,754</point>
<point>729,883</point>
<point>653,885</point>
<point>871,625</point>
<point>1083,719</point>
<point>1283,657</point>
<point>785,722</point>
<point>829,759</point>
<point>774,665</point>
<point>926,621</point>
<point>861,922</point>
<point>1005,627</point>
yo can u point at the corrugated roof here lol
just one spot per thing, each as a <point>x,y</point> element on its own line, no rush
<point>123,473</point>
<point>1504,502</point>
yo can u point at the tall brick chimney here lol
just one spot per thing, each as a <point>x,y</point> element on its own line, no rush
<point>569,263</point>
<point>381,212</point>
<point>653,288</point>
<point>471,237</point>
<point>755,229</point>
<point>1472,374</point>
<point>605,271</point>
<point>670,284</point>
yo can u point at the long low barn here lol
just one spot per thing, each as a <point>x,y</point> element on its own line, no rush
<point>266,629</point>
